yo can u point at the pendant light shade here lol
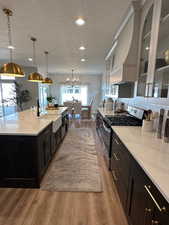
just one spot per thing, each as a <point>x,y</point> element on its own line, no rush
<point>47,80</point>
<point>35,76</point>
<point>10,69</point>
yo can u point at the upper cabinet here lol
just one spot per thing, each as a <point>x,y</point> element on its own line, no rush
<point>140,51</point>
<point>153,78</point>
<point>144,56</point>
<point>161,77</point>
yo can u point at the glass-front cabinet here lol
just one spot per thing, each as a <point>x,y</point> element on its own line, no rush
<point>161,75</point>
<point>145,48</point>
<point>153,80</point>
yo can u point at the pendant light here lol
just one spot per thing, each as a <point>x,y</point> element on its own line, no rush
<point>73,81</point>
<point>10,69</point>
<point>47,80</point>
<point>35,76</point>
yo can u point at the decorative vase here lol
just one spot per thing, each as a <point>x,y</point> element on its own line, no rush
<point>166,54</point>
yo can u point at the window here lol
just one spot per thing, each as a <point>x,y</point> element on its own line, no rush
<point>43,93</point>
<point>7,78</point>
<point>69,93</point>
<point>7,96</point>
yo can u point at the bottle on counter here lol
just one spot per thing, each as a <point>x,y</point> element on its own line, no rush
<point>160,123</point>
<point>109,104</point>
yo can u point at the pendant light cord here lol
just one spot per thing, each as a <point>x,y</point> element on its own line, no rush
<point>9,13</point>
<point>10,37</point>
<point>46,56</point>
<point>34,50</point>
<point>72,75</point>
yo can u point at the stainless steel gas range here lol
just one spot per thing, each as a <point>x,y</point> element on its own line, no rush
<point>133,117</point>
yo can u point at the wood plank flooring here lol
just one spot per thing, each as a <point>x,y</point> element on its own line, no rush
<point>37,207</point>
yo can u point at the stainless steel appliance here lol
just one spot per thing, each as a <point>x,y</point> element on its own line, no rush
<point>133,117</point>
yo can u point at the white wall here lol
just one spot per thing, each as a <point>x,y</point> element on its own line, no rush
<point>93,82</point>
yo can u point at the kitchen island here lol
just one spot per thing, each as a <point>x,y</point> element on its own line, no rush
<point>28,144</point>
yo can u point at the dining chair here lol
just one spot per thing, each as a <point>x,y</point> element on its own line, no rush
<point>86,111</point>
<point>69,105</point>
<point>77,108</point>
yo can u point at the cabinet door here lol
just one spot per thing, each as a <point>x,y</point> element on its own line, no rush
<point>18,157</point>
<point>99,122</point>
<point>47,146</point>
<point>160,213</point>
<point>67,122</point>
<point>160,218</point>
<point>120,167</point>
<point>147,205</point>
<point>56,140</point>
<point>63,131</point>
<point>119,185</point>
<point>45,149</point>
<point>138,202</point>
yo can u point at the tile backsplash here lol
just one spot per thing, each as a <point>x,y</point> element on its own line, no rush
<point>155,104</point>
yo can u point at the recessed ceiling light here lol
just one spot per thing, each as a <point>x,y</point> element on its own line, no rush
<point>30,59</point>
<point>82,48</point>
<point>80,22</point>
<point>83,60</point>
<point>11,47</point>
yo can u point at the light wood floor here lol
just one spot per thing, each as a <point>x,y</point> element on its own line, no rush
<point>36,207</point>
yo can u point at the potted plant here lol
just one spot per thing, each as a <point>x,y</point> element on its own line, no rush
<point>50,100</point>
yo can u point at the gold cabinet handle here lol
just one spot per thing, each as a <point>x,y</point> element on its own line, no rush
<point>161,209</point>
<point>148,210</point>
<point>114,175</point>
<point>115,156</point>
<point>154,222</point>
<point>116,141</point>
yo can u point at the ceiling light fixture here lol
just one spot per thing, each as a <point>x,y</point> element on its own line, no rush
<point>80,21</point>
<point>11,47</point>
<point>10,69</point>
<point>73,81</point>
<point>35,76</point>
<point>147,48</point>
<point>30,59</point>
<point>82,48</point>
<point>83,60</point>
<point>47,80</point>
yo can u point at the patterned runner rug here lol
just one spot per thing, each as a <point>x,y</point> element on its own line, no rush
<point>75,166</point>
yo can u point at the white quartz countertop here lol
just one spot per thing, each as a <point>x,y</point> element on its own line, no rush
<point>27,123</point>
<point>58,111</point>
<point>151,153</point>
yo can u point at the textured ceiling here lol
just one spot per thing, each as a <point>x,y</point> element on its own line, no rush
<point>52,22</point>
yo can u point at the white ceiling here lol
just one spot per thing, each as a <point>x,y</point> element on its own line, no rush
<point>52,23</point>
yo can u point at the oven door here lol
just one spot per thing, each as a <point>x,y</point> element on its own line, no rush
<point>107,134</point>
